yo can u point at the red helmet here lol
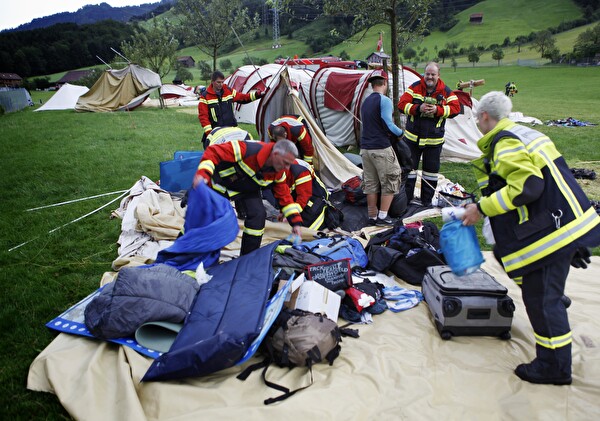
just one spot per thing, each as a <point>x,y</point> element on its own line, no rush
<point>377,74</point>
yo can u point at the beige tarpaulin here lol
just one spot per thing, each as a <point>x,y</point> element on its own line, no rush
<point>399,369</point>
<point>121,89</point>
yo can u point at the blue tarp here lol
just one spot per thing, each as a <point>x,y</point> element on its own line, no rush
<point>210,224</point>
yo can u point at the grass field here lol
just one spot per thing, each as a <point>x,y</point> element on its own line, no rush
<point>50,157</point>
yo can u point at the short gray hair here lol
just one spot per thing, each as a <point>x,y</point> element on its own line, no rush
<point>285,146</point>
<point>496,104</point>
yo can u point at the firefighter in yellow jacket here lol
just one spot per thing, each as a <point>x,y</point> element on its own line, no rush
<point>542,223</point>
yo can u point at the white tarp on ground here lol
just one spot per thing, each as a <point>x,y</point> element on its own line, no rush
<point>169,91</point>
<point>65,98</point>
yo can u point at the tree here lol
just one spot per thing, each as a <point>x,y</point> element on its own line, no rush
<point>498,55</point>
<point>407,19</point>
<point>588,43</point>
<point>155,48</point>
<point>183,74</point>
<point>543,41</point>
<point>520,40</point>
<point>205,71</point>
<point>210,23</point>
<point>444,53</point>
<point>473,56</point>
<point>225,64</point>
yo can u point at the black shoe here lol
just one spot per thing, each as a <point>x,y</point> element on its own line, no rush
<point>529,373</point>
<point>372,222</point>
<point>385,221</point>
<point>566,301</point>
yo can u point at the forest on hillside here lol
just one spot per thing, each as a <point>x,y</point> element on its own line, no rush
<point>67,46</point>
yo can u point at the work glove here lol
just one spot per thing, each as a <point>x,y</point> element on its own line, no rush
<point>581,258</point>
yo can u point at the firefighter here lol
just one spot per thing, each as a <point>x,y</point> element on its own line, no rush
<point>292,127</point>
<point>227,134</point>
<point>427,104</point>
<point>309,192</point>
<point>215,108</point>
<point>239,170</point>
<point>542,222</point>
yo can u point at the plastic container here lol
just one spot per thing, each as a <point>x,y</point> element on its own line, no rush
<point>460,247</point>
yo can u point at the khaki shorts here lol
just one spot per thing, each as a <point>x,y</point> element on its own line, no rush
<point>381,171</point>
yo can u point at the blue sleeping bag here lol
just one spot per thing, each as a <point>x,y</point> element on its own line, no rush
<point>226,316</point>
<point>210,224</point>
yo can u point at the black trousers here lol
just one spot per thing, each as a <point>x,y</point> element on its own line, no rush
<point>431,167</point>
<point>254,221</point>
<point>542,292</point>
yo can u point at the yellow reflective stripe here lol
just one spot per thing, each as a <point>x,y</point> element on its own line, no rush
<point>227,172</point>
<point>319,221</point>
<point>282,178</point>
<point>552,242</point>
<point>227,98</point>
<point>301,180</point>
<point>563,186</point>
<point>207,165</point>
<point>309,204</point>
<point>500,202</point>
<point>523,214</point>
<point>291,209</point>
<point>302,136</point>
<point>213,113</point>
<point>431,141</point>
<point>518,280</point>
<point>253,96</point>
<point>446,109</point>
<point>308,159</point>
<point>410,136</point>
<point>504,153</point>
<point>203,100</point>
<point>219,188</point>
<point>207,128</point>
<point>554,343</point>
<point>407,108</point>
<point>451,98</point>
<point>237,152</point>
<point>253,232</point>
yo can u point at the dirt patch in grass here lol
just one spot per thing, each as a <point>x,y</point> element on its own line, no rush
<point>590,187</point>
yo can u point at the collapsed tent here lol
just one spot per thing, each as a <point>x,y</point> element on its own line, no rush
<point>119,90</point>
<point>65,98</point>
<point>288,94</point>
<point>170,91</point>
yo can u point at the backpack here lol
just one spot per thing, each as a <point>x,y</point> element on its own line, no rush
<point>353,191</point>
<point>298,338</point>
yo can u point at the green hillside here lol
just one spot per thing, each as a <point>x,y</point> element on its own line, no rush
<point>504,18</point>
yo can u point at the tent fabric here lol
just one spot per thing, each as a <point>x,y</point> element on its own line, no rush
<point>288,96</point>
<point>399,368</point>
<point>65,98</point>
<point>171,91</point>
<point>153,227</point>
<point>339,91</point>
<point>119,90</point>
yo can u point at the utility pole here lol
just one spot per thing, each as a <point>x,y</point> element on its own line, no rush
<point>276,42</point>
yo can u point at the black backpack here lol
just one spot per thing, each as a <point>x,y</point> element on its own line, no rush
<point>298,339</point>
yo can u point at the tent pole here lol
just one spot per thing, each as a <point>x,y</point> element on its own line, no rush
<point>74,220</point>
<point>75,200</point>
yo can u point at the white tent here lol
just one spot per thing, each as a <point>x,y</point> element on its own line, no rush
<point>249,78</point>
<point>65,98</point>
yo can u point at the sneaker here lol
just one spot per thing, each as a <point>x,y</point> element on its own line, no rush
<point>416,202</point>
<point>529,373</point>
<point>372,222</point>
<point>385,221</point>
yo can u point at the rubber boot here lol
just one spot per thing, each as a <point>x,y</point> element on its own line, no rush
<point>551,366</point>
<point>410,188</point>
<point>249,243</point>
<point>427,192</point>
